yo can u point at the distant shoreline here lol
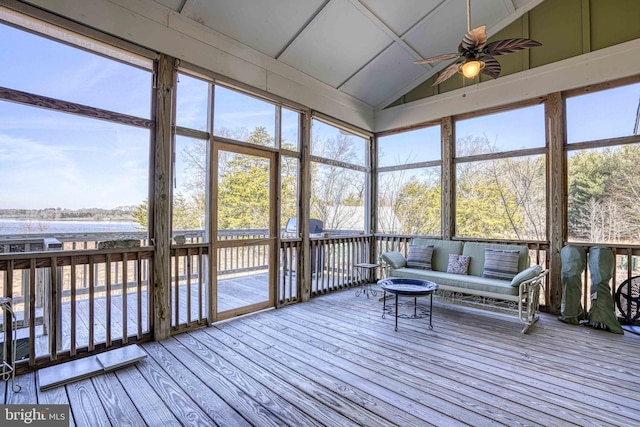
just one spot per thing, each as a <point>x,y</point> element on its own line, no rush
<point>12,226</point>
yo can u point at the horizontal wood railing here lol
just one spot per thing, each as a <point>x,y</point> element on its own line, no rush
<point>76,302</point>
<point>333,262</point>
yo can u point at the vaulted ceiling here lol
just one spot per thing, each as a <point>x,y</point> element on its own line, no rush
<point>364,48</point>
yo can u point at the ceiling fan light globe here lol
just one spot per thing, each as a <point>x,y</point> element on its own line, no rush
<point>470,69</point>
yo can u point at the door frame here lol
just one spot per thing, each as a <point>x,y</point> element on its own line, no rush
<point>273,239</point>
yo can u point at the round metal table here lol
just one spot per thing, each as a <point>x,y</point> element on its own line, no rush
<point>401,286</point>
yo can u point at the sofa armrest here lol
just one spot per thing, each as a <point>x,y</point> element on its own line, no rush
<point>393,259</point>
<point>529,299</point>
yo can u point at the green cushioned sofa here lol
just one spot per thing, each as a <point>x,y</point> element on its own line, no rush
<point>522,291</point>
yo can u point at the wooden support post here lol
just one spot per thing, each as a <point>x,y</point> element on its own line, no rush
<point>276,231</point>
<point>448,179</point>
<point>372,196</point>
<point>557,196</point>
<point>160,230</point>
<point>303,260</point>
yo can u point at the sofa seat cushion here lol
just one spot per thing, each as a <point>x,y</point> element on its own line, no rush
<point>450,280</point>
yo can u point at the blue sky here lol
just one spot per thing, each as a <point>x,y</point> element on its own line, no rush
<point>50,159</point>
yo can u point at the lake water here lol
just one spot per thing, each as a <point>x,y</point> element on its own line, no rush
<point>10,226</point>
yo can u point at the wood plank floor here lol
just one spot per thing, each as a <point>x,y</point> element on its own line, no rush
<point>334,361</point>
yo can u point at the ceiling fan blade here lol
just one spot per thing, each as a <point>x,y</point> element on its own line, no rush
<point>502,47</point>
<point>437,58</point>
<point>475,39</point>
<point>447,73</point>
<point>492,67</point>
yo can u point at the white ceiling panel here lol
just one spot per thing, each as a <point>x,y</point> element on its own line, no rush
<point>364,48</point>
<point>399,16</point>
<point>389,72</point>
<point>174,5</point>
<point>442,31</point>
<point>338,42</point>
<point>267,26</point>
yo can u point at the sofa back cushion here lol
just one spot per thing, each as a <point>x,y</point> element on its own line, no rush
<point>500,264</point>
<point>441,251</point>
<point>476,251</point>
<point>419,256</point>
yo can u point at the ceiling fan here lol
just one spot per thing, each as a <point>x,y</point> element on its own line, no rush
<point>475,56</point>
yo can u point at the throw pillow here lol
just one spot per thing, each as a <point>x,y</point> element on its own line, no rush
<point>420,256</point>
<point>458,264</point>
<point>526,274</point>
<point>500,264</point>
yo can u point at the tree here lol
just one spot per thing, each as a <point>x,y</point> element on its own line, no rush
<point>603,187</point>
<point>521,184</point>
<point>140,215</point>
<point>418,208</point>
<point>337,192</point>
<point>242,193</point>
<point>482,210</point>
<point>493,197</point>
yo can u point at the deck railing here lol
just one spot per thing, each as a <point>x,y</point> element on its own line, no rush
<point>81,299</point>
<point>75,302</point>
<point>333,262</point>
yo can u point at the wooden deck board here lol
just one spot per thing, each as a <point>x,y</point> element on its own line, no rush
<point>148,401</point>
<point>85,404</point>
<point>311,406</point>
<point>491,366</point>
<point>335,361</point>
<point>294,372</point>
<point>451,387</point>
<point>254,405</point>
<point>118,406</point>
<point>216,408</point>
<point>271,401</point>
<point>172,394</point>
<point>367,374</point>
<point>345,393</point>
<point>56,396</point>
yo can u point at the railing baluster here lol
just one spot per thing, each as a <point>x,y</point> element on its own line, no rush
<point>332,265</point>
<point>188,286</point>
<point>92,299</point>
<point>139,271</point>
<point>176,293</point>
<point>108,297</point>
<point>125,287</point>
<point>53,318</point>
<point>32,308</point>
<point>7,318</point>
<point>72,321</point>
<point>201,296</point>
